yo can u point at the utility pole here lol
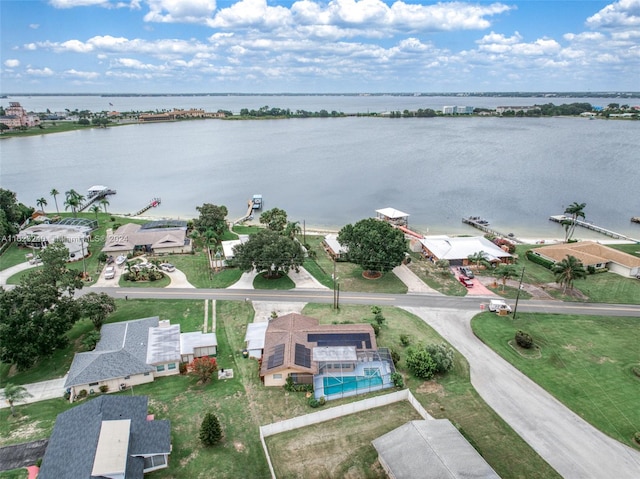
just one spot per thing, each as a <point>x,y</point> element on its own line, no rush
<point>515,308</point>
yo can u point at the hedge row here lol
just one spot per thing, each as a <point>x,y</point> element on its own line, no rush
<point>534,258</point>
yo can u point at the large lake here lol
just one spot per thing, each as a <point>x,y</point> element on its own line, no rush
<point>515,172</point>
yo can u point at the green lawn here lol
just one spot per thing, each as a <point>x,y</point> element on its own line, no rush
<point>243,404</point>
<point>450,396</point>
<point>586,362</point>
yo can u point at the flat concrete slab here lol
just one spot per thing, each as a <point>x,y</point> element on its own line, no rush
<point>41,391</point>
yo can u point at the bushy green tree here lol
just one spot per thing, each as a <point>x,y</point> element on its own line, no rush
<point>420,363</point>
<point>212,217</point>
<point>374,245</point>
<point>97,306</point>
<point>269,251</point>
<point>442,355</point>
<point>210,430</point>
<point>275,219</point>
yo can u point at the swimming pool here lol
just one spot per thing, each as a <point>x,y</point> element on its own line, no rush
<point>341,384</point>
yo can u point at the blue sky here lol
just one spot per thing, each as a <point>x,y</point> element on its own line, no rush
<point>318,46</point>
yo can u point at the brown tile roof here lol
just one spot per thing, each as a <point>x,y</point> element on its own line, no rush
<point>285,332</point>
<point>589,253</point>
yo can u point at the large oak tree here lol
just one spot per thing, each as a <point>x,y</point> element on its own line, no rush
<point>271,252</point>
<point>374,245</point>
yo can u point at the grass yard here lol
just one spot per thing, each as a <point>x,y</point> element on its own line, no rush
<point>586,362</point>
<point>349,275</point>
<point>443,281</point>
<point>337,448</point>
<point>450,396</point>
<point>15,474</point>
<point>242,404</point>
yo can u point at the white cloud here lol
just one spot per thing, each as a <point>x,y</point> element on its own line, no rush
<point>82,75</point>
<point>40,72</point>
<point>624,13</point>
<point>251,13</point>
<point>180,11</point>
<point>11,63</point>
<point>34,26</point>
<point>132,4</point>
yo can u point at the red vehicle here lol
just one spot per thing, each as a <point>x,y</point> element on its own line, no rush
<point>466,281</point>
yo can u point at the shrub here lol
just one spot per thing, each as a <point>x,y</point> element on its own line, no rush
<point>421,364</point>
<point>313,402</point>
<point>442,355</point>
<point>405,340</point>
<point>397,379</point>
<point>534,258</point>
<point>377,315</point>
<point>203,368</point>
<point>90,340</point>
<point>83,394</point>
<point>395,357</point>
<point>376,329</point>
<point>210,430</point>
<point>104,388</point>
<point>322,401</point>
<point>183,368</point>
<point>524,340</point>
<point>591,269</point>
<point>102,257</point>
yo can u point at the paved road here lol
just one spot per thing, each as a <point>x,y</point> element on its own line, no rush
<point>569,444</point>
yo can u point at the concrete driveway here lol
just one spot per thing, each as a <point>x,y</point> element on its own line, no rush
<point>569,444</point>
<point>5,274</point>
<point>41,391</point>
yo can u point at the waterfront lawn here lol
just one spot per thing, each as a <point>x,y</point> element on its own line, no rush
<point>442,281</point>
<point>14,255</point>
<point>350,276</point>
<point>586,363</point>
<point>450,396</point>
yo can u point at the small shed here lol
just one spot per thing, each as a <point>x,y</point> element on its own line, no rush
<point>197,345</point>
<point>430,448</point>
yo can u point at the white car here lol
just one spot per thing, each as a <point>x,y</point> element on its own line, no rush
<point>496,305</point>
<point>168,267</point>
<point>109,272</point>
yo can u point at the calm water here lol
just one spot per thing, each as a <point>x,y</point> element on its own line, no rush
<point>330,172</point>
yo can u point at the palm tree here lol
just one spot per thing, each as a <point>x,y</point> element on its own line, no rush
<point>41,202</point>
<point>55,193</point>
<point>104,202</point>
<point>292,229</point>
<point>504,272</point>
<point>13,394</point>
<point>478,258</point>
<point>576,210</point>
<point>95,209</point>
<point>73,201</point>
<point>568,270</point>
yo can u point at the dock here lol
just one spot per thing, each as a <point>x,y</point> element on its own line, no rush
<point>247,216</point>
<point>590,226</point>
<point>483,225</point>
<point>95,196</point>
<point>152,204</point>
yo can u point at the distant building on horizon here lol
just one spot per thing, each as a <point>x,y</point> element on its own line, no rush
<point>16,117</point>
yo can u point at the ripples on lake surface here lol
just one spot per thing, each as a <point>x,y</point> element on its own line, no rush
<point>515,172</point>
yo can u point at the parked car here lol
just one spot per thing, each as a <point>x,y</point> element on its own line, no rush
<point>497,305</point>
<point>466,281</point>
<point>465,271</point>
<point>168,267</point>
<point>110,272</point>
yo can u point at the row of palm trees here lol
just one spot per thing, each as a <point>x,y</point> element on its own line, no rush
<point>73,201</point>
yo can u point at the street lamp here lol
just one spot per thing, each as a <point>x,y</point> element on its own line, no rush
<point>515,308</point>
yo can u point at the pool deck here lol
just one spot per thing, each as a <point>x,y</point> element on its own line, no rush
<point>383,371</point>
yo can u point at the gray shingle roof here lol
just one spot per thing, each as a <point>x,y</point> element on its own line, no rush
<point>72,446</point>
<point>121,351</point>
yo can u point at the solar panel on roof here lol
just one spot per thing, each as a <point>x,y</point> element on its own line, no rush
<point>302,356</point>
<point>276,358</point>
<point>359,340</point>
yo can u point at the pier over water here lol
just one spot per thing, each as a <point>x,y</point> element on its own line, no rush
<point>599,229</point>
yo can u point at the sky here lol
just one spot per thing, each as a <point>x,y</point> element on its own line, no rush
<point>318,46</point>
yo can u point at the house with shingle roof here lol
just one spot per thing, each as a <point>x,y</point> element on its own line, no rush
<point>110,436</point>
<point>593,254</point>
<point>166,237</point>
<point>135,352</point>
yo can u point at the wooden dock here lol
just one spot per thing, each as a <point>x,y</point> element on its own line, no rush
<point>94,198</point>
<point>590,226</point>
<point>483,225</point>
<point>249,214</point>
<point>152,204</point>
